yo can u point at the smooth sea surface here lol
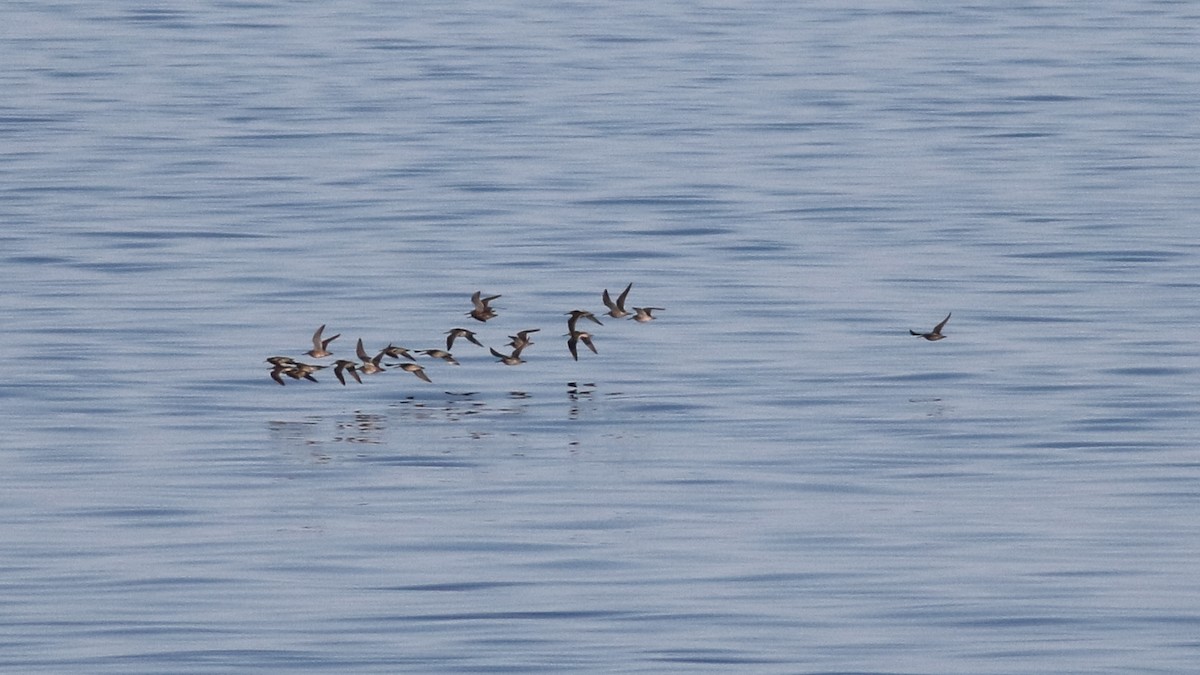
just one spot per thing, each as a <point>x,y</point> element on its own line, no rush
<point>772,477</point>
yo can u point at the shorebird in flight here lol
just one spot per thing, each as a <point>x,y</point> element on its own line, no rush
<point>415,370</point>
<point>284,365</point>
<point>935,334</point>
<point>482,311</point>
<point>302,370</point>
<point>276,371</point>
<point>576,337</point>
<point>341,366</point>
<point>460,333</point>
<point>617,309</point>
<point>370,364</point>
<point>642,314</point>
<point>321,347</point>
<point>576,315</point>
<point>513,359</point>
<point>398,352</point>
<point>439,354</point>
<point>522,340</point>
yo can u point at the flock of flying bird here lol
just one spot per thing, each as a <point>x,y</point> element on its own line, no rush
<point>286,366</point>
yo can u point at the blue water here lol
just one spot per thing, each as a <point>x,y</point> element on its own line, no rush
<point>774,476</point>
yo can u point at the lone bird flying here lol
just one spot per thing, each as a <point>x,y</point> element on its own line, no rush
<point>935,334</point>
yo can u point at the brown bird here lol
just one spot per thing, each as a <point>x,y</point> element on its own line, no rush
<point>370,364</point>
<point>617,309</point>
<point>439,354</point>
<point>415,370</point>
<point>284,365</point>
<point>482,312</point>
<point>578,336</point>
<point>460,333</point>
<point>341,365</point>
<point>576,315</point>
<point>522,340</point>
<point>935,334</point>
<point>509,360</point>
<point>277,370</point>
<point>303,370</point>
<point>642,314</point>
<point>297,371</point>
<point>321,347</point>
<point>398,352</point>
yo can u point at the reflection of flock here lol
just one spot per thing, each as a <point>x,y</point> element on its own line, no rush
<point>286,366</point>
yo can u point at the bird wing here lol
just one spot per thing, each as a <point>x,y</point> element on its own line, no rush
<point>621,297</point>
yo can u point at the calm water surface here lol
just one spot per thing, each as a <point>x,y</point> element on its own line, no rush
<point>773,477</point>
